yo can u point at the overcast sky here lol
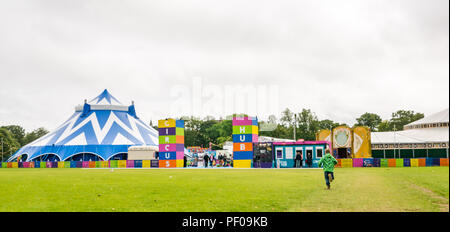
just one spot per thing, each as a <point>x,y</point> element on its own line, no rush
<point>338,58</point>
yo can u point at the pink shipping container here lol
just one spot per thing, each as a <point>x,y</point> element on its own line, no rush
<point>48,164</point>
<point>167,147</point>
<point>245,121</point>
<point>358,162</point>
<point>85,164</point>
<point>26,164</point>
<point>180,155</point>
<point>130,163</point>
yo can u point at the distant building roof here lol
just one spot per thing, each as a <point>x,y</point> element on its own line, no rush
<point>430,129</point>
<point>428,135</point>
<point>439,118</point>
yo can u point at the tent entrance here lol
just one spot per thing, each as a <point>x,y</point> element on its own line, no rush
<point>342,153</point>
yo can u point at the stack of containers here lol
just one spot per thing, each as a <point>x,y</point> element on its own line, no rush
<point>245,133</point>
<point>171,143</point>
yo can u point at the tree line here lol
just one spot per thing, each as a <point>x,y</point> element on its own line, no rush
<point>210,131</point>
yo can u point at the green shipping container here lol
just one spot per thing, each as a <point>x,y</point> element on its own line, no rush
<point>242,130</point>
<point>4,165</point>
<point>113,163</point>
<point>98,164</point>
<point>383,163</point>
<point>43,165</point>
<point>179,131</point>
<point>66,164</point>
<point>167,139</point>
<point>399,162</point>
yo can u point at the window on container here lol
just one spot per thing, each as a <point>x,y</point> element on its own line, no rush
<point>319,152</point>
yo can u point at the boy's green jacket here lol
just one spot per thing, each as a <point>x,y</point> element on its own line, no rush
<point>328,162</point>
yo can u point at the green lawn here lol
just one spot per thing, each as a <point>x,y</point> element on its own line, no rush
<point>355,189</point>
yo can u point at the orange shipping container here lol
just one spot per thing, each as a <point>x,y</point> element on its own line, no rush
<point>91,164</point>
<point>444,162</point>
<point>180,139</point>
<point>167,163</point>
<point>392,163</point>
<point>242,147</point>
<point>338,165</point>
<point>422,162</point>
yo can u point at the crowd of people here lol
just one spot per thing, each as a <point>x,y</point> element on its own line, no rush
<point>209,160</point>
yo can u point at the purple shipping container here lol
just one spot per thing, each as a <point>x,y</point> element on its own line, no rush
<point>166,131</point>
<point>79,164</point>
<point>180,147</point>
<point>266,164</point>
<point>376,162</point>
<point>358,162</point>
<point>154,163</point>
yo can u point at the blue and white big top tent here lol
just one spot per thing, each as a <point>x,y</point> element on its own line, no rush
<point>101,129</point>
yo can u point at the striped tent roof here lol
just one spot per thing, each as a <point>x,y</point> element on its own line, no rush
<point>103,131</point>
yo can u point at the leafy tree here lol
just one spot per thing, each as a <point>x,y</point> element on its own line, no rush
<point>10,144</point>
<point>32,136</point>
<point>327,124</point>
<point>370,120</point>
<point>17,132</point>
<point>403,117</point>
<point>287,118</point>
<point>385,126</point>
<point>308,125</point>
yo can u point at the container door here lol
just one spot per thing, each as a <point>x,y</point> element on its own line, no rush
<point>309,156</point>
<point>299,152</point>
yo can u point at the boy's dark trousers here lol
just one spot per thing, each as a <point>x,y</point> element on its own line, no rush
<point>327,180</point>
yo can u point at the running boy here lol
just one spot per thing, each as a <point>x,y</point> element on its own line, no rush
<point>328,162</point>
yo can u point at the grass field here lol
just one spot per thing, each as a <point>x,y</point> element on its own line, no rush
<point>268,190</point>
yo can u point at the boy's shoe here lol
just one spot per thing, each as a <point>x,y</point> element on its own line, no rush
<point>329,177</point>
<point>328,187</point>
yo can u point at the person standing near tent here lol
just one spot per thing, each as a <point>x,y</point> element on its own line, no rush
<point>328,162</point>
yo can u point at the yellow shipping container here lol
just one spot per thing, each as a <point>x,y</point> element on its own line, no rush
<point>166,123</point>
<point>180,163</point>
<point>122,163</point>
<point>255,130</point>
<point>347,163</point>
<point>414,162</point>
<point>146,163</point>
<point>242,163</point>
<point>105,164</point>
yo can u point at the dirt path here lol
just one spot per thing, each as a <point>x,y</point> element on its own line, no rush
<point>442,201</point>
